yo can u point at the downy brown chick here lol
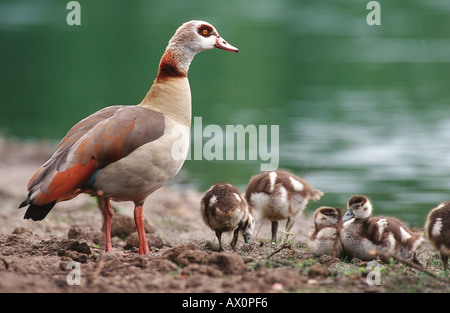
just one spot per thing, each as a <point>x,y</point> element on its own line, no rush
<point>224,209</point>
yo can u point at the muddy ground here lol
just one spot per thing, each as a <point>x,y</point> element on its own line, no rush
<point>64,252</point>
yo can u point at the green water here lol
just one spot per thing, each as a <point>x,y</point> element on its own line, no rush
<point>361,109</point>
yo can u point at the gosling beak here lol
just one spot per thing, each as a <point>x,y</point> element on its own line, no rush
<point>222,44</point>
<point>348,215</point>
<point>247,238</point>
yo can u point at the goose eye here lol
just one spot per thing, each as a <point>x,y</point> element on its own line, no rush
<point>205,30</point>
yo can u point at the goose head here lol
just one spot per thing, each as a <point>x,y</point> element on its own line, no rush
<point>208,38</point>
<point>327,216</point>
<point>198,36</point>
<point>193,37</point>
<point>358,207</point>
<point>249,227</point>
<point>190,38</point>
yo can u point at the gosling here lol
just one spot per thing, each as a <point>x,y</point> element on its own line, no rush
<point>324,237</point>
<point>224,209</point>
<point>367,237</point>
<point>279,195</point>
<point>437,230</point>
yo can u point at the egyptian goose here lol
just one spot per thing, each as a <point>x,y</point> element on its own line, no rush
<point>224,209</point>
<point>437,230</point>
<point>125,153</point>
<point>279,195</point>
<point>363,236</point>
<point>324,237</point>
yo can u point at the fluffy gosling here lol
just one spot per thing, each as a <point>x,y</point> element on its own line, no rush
<point>224,209</point>
<point>362,234</point>
<point>437,230</point>
<point>279,195</point>
<point>324,237</point>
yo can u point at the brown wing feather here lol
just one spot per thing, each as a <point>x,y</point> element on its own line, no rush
<point>100,139</point>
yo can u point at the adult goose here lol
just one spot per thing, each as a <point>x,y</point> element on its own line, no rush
<point>124,153</point>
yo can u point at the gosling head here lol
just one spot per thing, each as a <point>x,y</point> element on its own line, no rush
<point>327,216</point>
<point>248,228</point>
<point>358,207</point>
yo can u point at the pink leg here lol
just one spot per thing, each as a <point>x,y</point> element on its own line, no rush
<point>108,214</point>
<point>139,220</point>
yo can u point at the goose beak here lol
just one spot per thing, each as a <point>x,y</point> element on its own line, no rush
<point>348,215</point>
<point>222,44</point>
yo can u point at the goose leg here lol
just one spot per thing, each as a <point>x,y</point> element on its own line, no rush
<point>235,238</point>
<point>444,261</point>
<point>219,237</point>
<point>108,213</point>
<point>139,220</point>
<point>274,231</point>
<point>289,224</point>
